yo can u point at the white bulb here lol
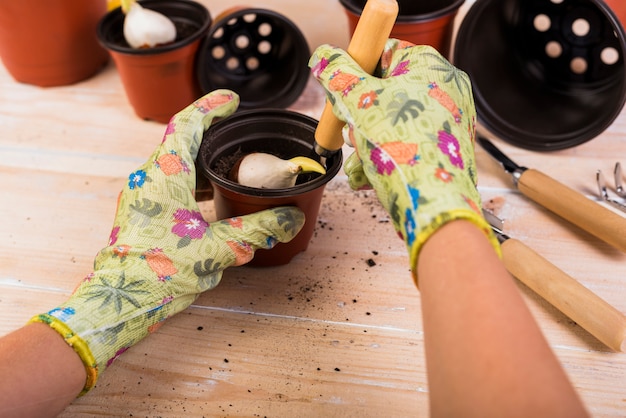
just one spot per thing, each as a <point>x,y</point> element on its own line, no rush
<point>266,171</point>
<point>147,28</point>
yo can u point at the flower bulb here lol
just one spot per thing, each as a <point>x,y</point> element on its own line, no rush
<point>145,28</point>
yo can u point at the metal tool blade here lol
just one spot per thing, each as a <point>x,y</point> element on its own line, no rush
<point>617,174</point>
<point>564,201</point>
<point>509,165</point>
<point>497,225</point>
<point>604,194</point>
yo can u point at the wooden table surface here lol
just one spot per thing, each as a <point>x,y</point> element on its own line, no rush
<point>331,334</point>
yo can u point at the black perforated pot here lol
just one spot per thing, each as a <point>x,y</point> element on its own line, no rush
<point>258,53</point>
<point>546,74</point>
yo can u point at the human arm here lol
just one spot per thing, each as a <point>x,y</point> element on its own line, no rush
<point>485,354</point>
<point>160,256</point>
<point>413,129</point>
<point>41,374</point>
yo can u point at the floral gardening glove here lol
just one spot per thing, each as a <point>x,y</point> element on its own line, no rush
<point>161,254</point>
<point>413,129</point>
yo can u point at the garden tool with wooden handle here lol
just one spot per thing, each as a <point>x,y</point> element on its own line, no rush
<point>366,47</point>
<point>565,293</point>
<point>562,200</point>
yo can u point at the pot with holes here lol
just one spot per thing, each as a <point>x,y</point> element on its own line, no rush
<point>258,53</point>
<point>546,74</point>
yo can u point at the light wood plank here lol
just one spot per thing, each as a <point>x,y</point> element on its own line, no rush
<point>65,152</point>
<point>240,364</point>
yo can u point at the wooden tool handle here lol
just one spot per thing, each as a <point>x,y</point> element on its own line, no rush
<point>366,47</point>
<point>576,208</point>
<point>580,304</point>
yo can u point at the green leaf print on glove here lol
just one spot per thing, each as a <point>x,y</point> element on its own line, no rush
<point>413,129</point>
<point>162,254</point>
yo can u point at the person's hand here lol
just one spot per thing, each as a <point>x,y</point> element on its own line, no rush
<point>162,254</point>
<point>413,128</point>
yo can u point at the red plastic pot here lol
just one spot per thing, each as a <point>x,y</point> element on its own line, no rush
<point>283,133</point>
<point>159,81</point>
<point>51,42</point>
<point>419,22</point>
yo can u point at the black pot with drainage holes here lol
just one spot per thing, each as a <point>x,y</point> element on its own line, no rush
<point>546,74</point>
<point>259,54</point>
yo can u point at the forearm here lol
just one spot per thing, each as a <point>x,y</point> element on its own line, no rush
<point>41,374</point>
<point>485,354</point>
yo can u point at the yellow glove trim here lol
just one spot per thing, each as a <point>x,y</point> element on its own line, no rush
<point>438,222</point>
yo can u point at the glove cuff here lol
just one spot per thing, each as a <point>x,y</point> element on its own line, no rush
<point>78,345</point>
<point>440,220</point>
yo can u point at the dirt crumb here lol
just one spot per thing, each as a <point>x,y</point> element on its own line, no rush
<point>494,205</point>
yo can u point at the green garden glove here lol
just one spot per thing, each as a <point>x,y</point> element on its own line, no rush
<point>413,129</point>
<point>161,254</point>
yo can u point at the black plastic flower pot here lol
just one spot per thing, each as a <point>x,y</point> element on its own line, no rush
<point>546,74</point>
<point>258,53</point>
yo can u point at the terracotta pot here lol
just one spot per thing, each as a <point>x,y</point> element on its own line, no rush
<point>419,22</point>
<point>259,53</point>
<point>162,80</point>
<point>283,133</point>
<point>545,75</point>
<point>51,42</point>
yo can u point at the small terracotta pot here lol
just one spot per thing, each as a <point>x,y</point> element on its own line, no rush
<point>51,42</point>
<point>159,81</point>
<point>419,22</point>
<point>283,133</point>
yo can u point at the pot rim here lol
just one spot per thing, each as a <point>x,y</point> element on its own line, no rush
<point>415,18</point>
<point>114,15</point>
<point>333,164</point>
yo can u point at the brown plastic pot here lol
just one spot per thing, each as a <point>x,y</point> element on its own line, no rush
<point>51,42</point>
<point>159,81</point>
<point>419,22</point>
<point>283,133</point>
